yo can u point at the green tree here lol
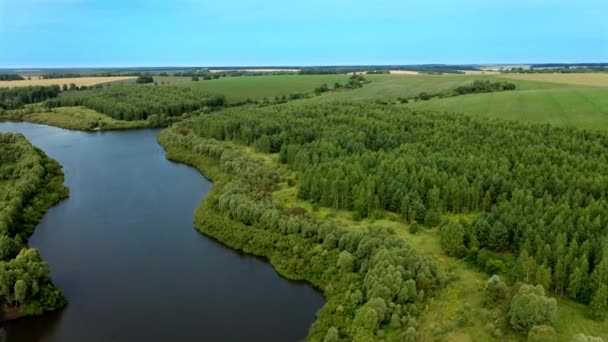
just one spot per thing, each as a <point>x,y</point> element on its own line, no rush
<point>452,238</point>
<point>20,291</point>
<point>599,303</point>
<point>531,307</point>
<point>346,261</point>
<point>495,291</point>
<point>332,335</point>
<point>525,267</point>
<point>542,333</point>
<point>543,276</point>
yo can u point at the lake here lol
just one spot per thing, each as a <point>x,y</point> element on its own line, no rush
<point>125,252</point>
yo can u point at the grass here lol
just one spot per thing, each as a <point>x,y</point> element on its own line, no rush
<point>391,87</point>
<point>592,79</point>
<point>80,118</point>
<point>570,100</point>
<point>571,106</point>
<point>238,89</point>
<point>79,81</point>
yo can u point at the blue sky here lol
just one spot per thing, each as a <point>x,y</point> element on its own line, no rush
<point>62,33</point>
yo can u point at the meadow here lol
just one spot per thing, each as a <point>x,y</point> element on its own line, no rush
<point>237,89</point>
<point>571,106</point>
<point>591,79</point>
<point>566,100</point>
<point>83,119</point>
<point>78,81</point>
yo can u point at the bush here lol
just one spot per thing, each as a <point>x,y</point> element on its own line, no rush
<point>530,307</point>
<point>542,333</point>
<point>144,79</point>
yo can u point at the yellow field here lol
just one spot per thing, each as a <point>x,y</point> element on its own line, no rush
<point>595,79</point>
<point>79,81</point>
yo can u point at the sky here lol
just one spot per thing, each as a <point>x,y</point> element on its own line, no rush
<point>128,33</point>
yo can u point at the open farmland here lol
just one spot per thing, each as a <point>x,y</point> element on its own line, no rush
<point>566,105</point>
<point>390,87</point>
<point>591,79</point>
<point>257,87</point>
<point>79,81</point>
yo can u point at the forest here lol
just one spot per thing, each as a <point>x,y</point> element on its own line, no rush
<point>375,284</point>
<point>11,77</point>
<point>476,87</point>
<point>14,98</point>
<point>138,102</point>
<point>535,191</point>
<point>31,183</point>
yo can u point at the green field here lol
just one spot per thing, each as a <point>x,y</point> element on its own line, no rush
<point>543,98</point>
<point>573,106</point>
<point>391,87</point>
<point>258,87</point>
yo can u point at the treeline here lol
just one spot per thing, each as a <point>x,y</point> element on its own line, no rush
<point>135,102</point>
<point>426,69</point>
<point>354,82</point>
<point>539,192</point>
<point>558,69</point>
<point>14,98</point>
<point>478,86</point>
<point>375,284</point>
<point>11,77</point>
<point>55,75</point>
<point>32,183</point>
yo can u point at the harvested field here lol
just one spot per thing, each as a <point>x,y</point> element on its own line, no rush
<point>403,72</point>
<point>79,81</point>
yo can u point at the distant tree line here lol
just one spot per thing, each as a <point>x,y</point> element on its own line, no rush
<point>557,69</point>
<point>32,183</point>
<point>144,79</point>
<point>478,86</point>
<point>135,102</point>
<point>538,191</point>
<point>11,77</point>
<point>17,97</point>
<point>426,69</point>
<point>354,82</point>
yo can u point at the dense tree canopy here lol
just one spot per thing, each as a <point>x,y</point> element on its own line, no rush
<point>11,77</point>
<point>13,98</point>
<point>31,183</point>
<point>538,191</point>
<point>136,102</point>
<point>371,278</point>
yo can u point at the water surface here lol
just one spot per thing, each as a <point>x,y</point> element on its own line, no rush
<point>124,251</point>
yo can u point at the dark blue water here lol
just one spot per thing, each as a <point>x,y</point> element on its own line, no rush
<point>124,250</point>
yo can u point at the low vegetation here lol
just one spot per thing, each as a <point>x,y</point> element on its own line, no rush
<point>31,183</point>
<point>84,119</point>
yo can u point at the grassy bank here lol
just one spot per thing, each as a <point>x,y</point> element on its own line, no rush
<point>76,118</point>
